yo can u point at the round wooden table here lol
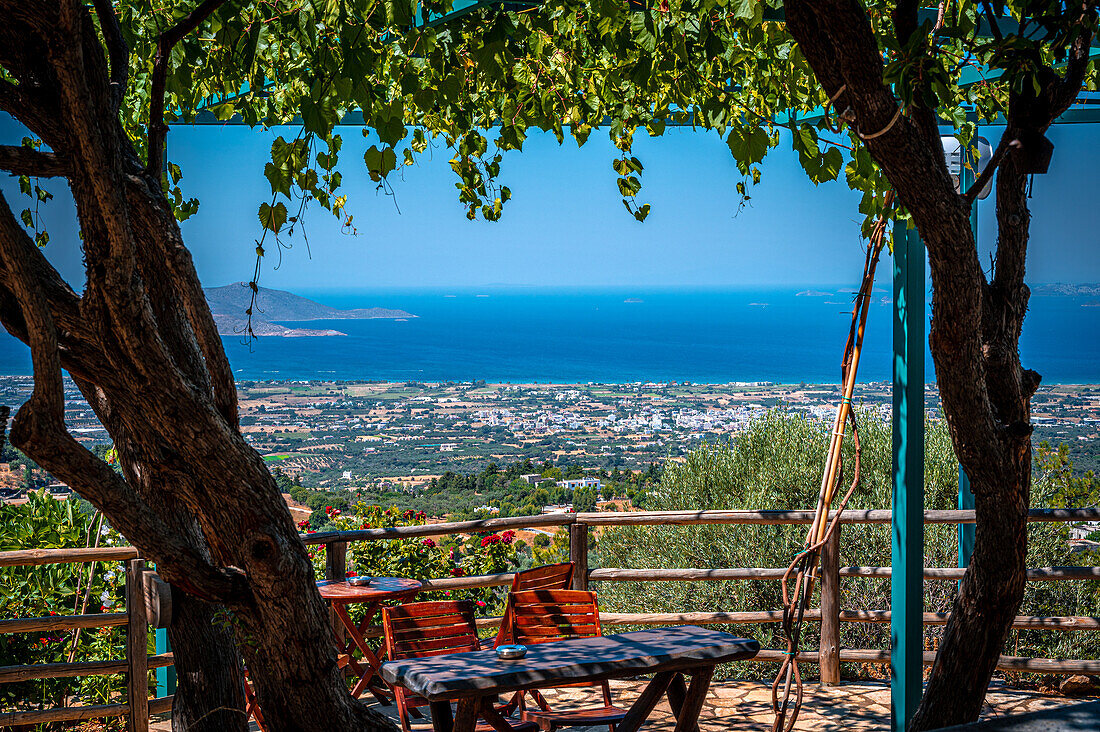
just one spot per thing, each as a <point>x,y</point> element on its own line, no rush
<point>341,594</point>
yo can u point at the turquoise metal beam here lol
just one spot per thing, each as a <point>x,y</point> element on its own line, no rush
<point>966,531</point>
<point>966,497</point>
<point>166,676</point>
<point>907,527</point>
<point>1088,113</point>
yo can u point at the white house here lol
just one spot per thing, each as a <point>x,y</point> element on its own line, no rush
<point>574,484</point>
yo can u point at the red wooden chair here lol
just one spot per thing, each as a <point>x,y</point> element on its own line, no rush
<point>422,629</point>
<point>548,577</point>
<point>252,705</point>
<point>545,616</point>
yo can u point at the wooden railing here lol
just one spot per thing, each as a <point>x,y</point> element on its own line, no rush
<point>829,656</point>
<point>136,665</point>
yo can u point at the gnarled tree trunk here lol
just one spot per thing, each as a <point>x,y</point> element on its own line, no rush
<point>976,322</point>
<point>142,346</point>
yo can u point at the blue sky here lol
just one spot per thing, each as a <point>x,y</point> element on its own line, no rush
<point>566,226</point>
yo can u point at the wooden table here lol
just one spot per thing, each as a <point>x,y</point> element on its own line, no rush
<point>342,594</point>
<point>475,679</point>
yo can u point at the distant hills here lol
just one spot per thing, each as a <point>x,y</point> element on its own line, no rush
<point>1091,289</point>
<point>228,305</point>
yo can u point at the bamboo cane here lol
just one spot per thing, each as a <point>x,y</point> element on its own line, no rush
<point>804,566</point>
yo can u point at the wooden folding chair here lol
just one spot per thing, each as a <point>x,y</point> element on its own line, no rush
<point>545,616</point>
<point>548,577</point>
<point>422,629</point>
<point>252,704</point>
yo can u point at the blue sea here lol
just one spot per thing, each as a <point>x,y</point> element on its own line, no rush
<point>515,334</point>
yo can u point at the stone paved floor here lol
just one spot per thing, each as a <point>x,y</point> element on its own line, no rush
<point>746,705</point>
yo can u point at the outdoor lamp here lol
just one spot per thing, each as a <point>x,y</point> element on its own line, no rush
<point>953,154</point>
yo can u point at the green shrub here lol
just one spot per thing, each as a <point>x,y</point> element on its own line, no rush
<point>44,522</point>
<point>776,464</point>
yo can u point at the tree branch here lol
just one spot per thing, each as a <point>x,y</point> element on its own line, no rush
<point>176,270</point>
<point>39,429</point>
<point>80,352</point>
<point>117,50</point>
<point>906,20</point>
<point>993,27</point>
<point>1031,114</point>
<point>839,43</point>
<point>14,101</point>
<point>157,129</point>
<point>19,160</point>
<point>1078,61</point>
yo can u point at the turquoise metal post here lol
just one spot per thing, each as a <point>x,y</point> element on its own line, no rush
<point>907,528</point>
<point>966,497</point>
<point>966,531</point>
<point>166,675</point>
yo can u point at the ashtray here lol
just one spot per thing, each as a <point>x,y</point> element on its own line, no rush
<point>359,581</point>
<point>511,653</point>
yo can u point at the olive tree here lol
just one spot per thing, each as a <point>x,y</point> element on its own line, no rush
<point>97,84</point>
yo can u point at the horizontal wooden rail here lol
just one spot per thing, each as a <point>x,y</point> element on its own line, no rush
<point>62,622</point>
<point>872,516</point>
<point>34,671</point>
<point>160,705</point>
<point>610,574</point>
<point>1038,574</point>
<point>445,529</point>
<point>1004,663</point>
<point>674,518</point>
<point>35,557</point>
<point>465,583</point>
<point>1022,622</point>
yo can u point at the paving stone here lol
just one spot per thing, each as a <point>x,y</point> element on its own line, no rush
<point>736,705</point>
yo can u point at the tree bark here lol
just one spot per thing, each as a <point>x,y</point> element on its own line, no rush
<point>975,328</point>
<point>142,346</point>
<point>209,692</point>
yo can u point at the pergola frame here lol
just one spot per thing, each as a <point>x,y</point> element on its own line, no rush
<point>907,418</point>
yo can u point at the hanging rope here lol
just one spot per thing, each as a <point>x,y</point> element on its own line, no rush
<point>828,106</point>
<point>798,580</point>
<point>885,129</point>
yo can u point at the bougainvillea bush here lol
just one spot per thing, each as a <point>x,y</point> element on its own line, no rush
<point>44,522</point>
<point>421,558</point>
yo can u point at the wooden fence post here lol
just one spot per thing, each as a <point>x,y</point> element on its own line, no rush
<point>137,650</point>
<point>336,569</point>
<point>336,561</point>
<point>578,554</point>
<point>829,650</point>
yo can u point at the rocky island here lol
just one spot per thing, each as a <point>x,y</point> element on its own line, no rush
<point>229,303</point>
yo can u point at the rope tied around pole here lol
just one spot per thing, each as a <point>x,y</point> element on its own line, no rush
<point>885,129</point>
<point>828,106</point>
<point>803,568</point>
